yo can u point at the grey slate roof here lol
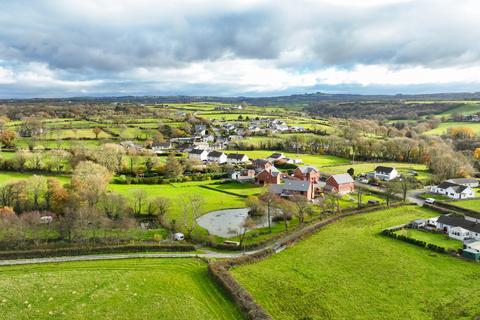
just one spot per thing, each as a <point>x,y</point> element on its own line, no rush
<point>343,178</point>
<point>463,180</point>
<point>276,156</point>
<point>197,151</point>
<point>456,187</point>
<point>307,169</point>
<point>459,222</point>
<point>236,156</point>
<point>384,169</point>
<point>215,154</point>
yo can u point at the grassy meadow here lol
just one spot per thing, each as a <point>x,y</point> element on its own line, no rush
<point>349,271</point>
<point>472,204</point>
<point>364,167</point>
<point>444,126</point>
<point>117,289</point>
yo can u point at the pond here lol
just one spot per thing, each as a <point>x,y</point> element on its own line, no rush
<point>228,223</point>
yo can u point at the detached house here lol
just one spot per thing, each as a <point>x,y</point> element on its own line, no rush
<point>458,227</point>
<point>217,156</point>
<point>262,164</point>
<point>235,158</point>
<point>270,176</point>
<point>307,173</point>
<point>275,156</point>
<point>243,175</point>
<point>467,182</point>
<point>341,183</point>
<point>198,154</point>
<point>292,187</point>
<point>453,190</point>
<point>200,129</point>
<point>385,173</point>
<point>161,147</point>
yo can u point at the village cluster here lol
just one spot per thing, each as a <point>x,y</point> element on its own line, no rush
<point>305,180</point>
<point>217,136</point>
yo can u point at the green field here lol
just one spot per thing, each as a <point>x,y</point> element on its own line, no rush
<point>365,167</point>
<point>8,177</point>
<point>213,200</point>
<point>464,109</point>
<point>444,126</point>
<point>439,239</point>
<point>472,204</point>
<point>117,289</point>
<point>350,271</point>
<point>313,160</point>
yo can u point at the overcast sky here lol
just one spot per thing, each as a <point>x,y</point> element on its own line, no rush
<point>245,47</point>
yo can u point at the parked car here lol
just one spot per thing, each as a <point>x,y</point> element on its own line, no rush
<point>179,236</point>
<point>365,181</point>
<point>430,200</point>
<point>372,201</point>
<point>375,184</point>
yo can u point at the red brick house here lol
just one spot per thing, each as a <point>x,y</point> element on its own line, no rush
<point>269,177</point>
<point>341,183</point>
<point>307,173</point>
<point>262,164</point>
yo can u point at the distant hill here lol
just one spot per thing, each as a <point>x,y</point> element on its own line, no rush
<point>296,99</point>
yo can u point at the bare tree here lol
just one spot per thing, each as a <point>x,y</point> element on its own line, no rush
<point>140,198</point>
<point>191,205</point>
<point>162,206</point>
<point>269,201</point>
<point>301,207</point>
<point>248,224</point>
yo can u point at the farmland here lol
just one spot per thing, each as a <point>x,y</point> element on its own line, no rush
<point>364,167</point>
<point>118,289</point>
<point>348,270</point>
<point>214,200</point>
<point>472,204</point>
<point>444,126</point>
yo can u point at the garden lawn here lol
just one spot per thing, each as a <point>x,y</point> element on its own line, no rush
<point>439,239</point>
<point>242,189</point>
<point>364,167</point>
<point>213,200</point>
<point>472,204</point>
<point>349,271</point>
<point>308,159</point>
<point>118,289</point>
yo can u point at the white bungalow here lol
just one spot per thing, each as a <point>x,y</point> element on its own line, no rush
<point>458,227</point>
<point>453,190</point>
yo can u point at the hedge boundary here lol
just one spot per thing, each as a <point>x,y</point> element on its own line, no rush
<point>78,251</point>
<point>224,191</point>
<point>219,269</point>
<point>450,206</point>
<point>300,228</point>
<point>391,233</point>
